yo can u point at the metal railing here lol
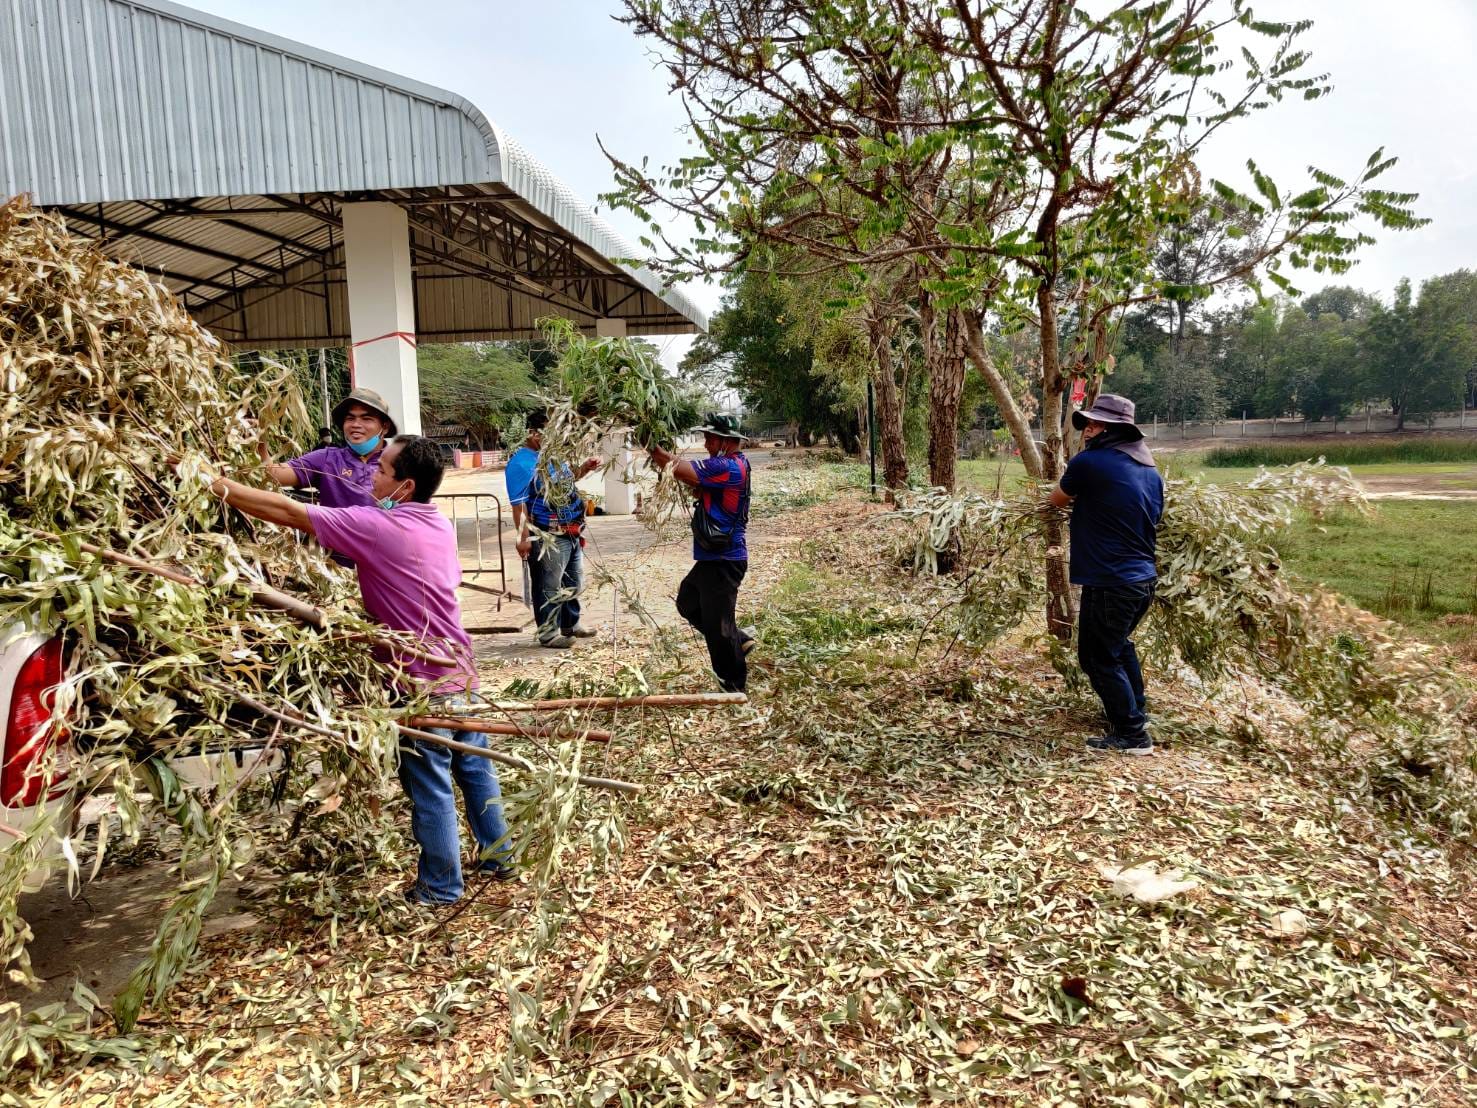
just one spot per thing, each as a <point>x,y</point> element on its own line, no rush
<point>481,513</point>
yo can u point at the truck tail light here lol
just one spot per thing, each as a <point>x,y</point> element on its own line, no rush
<point>29,730</point>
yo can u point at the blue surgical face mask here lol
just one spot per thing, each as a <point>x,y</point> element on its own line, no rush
<point>363,448</point>
<point>388,502</point>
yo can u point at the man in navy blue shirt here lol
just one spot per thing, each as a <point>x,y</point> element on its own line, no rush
<point>708,595</point>
<point>1116,496</point>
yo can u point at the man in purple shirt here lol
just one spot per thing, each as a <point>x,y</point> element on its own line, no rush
<point>405,554</point>
<point>343,474</point>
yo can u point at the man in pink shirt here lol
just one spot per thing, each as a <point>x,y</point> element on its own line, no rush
<point>404,551</point>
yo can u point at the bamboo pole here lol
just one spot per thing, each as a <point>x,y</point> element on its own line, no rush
<point>268,597</point>
<point>496,727</point>
<point>512,760</point>
<point>656,700</point>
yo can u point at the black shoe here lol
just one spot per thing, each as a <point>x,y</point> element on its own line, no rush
<point>1117,744</point>
<point>498,871</point>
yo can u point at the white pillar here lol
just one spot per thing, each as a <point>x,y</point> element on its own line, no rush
<point>382,307</point>
<point>610,328</point>
<point>620,479</point>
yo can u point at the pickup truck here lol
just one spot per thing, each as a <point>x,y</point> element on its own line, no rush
<point>33,784</point>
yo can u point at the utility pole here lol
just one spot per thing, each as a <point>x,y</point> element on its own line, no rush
<point>872,436</point>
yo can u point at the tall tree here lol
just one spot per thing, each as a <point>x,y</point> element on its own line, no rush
<point>480,386</point>
<point>799,112</point>
<point>1025,159</point>
<point>1421,352</point>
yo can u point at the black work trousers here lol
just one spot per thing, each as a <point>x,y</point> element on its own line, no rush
<point>1106,618</point>
<point>708,599</point>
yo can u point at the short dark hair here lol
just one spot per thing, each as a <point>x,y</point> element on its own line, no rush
<point>537,419</point>
<point>419,460</point>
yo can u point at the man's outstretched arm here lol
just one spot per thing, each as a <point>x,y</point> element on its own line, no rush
<point>270,506</point>
<point>683,470</point>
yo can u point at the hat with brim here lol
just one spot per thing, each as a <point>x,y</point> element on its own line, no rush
<point>1108,408</point>
<point>369,399</point>
<point>724,426</point>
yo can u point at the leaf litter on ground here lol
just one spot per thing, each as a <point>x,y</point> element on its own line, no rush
<point>880,884</point>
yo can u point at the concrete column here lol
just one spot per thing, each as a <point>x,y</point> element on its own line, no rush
<point>610,328</point>
<point>620,479</point>
<point>382,307</point>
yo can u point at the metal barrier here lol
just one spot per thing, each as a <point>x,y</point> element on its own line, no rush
<point>480,510</point>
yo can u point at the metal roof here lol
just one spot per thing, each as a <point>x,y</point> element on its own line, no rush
<point>218,156</point>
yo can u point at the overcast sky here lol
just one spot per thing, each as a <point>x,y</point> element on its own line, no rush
<point>554,73</point>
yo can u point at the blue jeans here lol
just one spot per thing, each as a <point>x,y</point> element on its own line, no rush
<point>557,573</point>
<point>426,774</point>
<point>1108,616</point>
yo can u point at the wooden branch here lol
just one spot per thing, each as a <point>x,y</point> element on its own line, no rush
<point>266,597</point>
<point>512,760</point>
<point>659,700</point>
<point>496,727</point>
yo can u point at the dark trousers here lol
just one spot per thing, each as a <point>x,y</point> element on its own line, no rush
<point>556,575</point>
<point>1107,618</point>
<point>707,599</point>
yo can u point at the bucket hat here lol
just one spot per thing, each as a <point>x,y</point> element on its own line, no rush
<point>371,400</point>
<point>724,426</point>
<point>1117,411</point>
<point>1109,407</point>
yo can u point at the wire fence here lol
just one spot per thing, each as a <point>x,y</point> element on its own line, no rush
<point>1362,423</point>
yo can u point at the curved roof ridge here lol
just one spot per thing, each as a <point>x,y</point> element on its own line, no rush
<point>276,116</point>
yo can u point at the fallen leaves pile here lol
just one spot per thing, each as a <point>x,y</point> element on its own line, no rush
<point>883,884</point>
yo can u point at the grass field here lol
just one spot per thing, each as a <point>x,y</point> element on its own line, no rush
<point>1344,453</point>
<point>1409,560</point>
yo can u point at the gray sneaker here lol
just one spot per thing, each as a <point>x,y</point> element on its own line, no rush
<point>558,642</point>
<point>748,638</point>
<point>581,632</point>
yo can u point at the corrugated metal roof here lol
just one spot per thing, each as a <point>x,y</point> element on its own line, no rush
<point>105,101</point>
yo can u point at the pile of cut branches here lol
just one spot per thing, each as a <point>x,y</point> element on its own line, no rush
<point>116,408</point>
<point>1225,610</point>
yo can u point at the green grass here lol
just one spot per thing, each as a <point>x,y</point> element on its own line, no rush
<point>1411,562</point>
<point>1415,450</point>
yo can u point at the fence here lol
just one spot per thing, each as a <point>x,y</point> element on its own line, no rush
<point>1363,423</point>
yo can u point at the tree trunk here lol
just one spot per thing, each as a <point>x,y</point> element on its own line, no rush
<point>1059,614</point>
<point>944,351</point>
<point>889,409</point>
<point>1010,409</point>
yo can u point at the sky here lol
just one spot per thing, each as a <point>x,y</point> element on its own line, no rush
<point>556,73</point>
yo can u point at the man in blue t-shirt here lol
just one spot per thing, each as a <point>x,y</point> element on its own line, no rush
<point>518,475</point>
<point>708,595</point>
<point>1117,497</point>
<point>553,506</point>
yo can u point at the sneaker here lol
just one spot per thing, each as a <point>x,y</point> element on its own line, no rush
<point>558,642</point>
<point>413,895</point>
<point>750,636</point>
<point>498,871</point>
<point>581,632</point>
<point>1117,744</point>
